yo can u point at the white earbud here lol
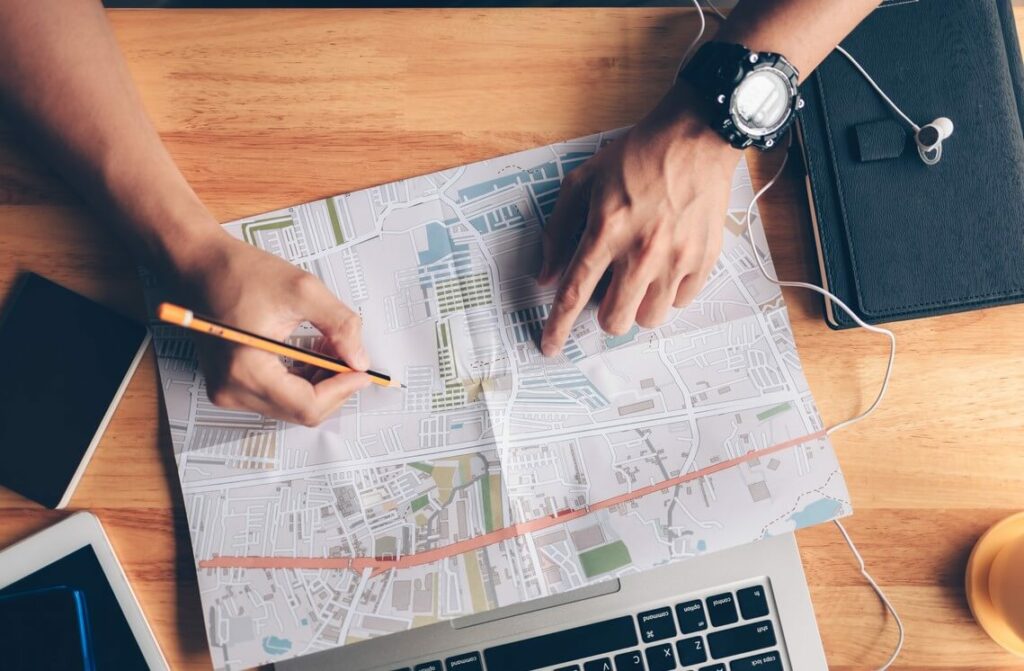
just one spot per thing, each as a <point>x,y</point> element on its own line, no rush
<point>944,126</point>
<point>929,139</point>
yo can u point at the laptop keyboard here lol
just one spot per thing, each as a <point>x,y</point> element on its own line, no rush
<point>724,630</point>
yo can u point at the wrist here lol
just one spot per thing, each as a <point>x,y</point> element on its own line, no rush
<point>694,139</point>
<point>170,228</point>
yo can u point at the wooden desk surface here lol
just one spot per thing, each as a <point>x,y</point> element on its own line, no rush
<point>263,109</point>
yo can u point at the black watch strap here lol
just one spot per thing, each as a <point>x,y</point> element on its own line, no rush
<point>715,67</point>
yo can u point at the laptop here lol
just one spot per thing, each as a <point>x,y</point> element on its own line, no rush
<point>742,609</point>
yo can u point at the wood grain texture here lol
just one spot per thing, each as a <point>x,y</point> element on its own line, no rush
<point>263,109</point>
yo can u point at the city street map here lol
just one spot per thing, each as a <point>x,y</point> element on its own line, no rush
<point>498,475</point>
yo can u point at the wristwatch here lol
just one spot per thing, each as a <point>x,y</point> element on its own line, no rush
<point>753,95</point>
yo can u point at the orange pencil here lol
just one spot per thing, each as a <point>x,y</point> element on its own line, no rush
<point>179,316</point>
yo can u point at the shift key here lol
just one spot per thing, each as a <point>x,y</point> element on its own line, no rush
<point>745,638</point>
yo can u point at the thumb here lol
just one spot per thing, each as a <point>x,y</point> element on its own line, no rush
<point>340,326</point>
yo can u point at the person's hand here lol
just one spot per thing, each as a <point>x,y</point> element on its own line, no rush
<point>654,203</point>
<point>242,286</point>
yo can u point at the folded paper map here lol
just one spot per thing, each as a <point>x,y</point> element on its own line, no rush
<point>498,475</point>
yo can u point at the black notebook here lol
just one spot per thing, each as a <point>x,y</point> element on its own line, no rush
<point>898,239</point>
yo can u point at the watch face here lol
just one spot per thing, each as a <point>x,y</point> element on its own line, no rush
<point>761,102</point>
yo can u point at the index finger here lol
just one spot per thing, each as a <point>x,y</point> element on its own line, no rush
<point>578,284</point>
<point>296,400</point>
<point>561,229</point>
<point>340,326</point>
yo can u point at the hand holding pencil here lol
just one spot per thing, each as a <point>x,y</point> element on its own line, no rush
<point>261,296</point>
<point>185,318</point>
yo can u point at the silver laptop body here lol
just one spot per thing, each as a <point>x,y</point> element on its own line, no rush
<point>773,630</point>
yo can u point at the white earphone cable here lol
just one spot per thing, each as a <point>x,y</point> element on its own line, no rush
<point>836,301</point>
<point>828,295</point>
<point>878,89</point>
<point>694,43</point>
<point>835,427</point>
<point>881,595</point>
<point>929,155</point>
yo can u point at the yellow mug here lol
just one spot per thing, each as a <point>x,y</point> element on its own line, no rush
<point>995,583</point>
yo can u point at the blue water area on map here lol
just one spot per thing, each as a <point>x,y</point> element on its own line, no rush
<point>544,187</point>
<point>701,545</point>
<point>439,244</point>
<point>611,342</point>
<point>817,512</point>
<point>573,159</point>
<point>273,645</point>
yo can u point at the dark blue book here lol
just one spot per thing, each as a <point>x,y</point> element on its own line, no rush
<point>898,239</point>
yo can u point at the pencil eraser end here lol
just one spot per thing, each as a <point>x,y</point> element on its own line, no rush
<point>174,314</point>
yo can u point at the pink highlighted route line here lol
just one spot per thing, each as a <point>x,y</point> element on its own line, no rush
<point>379,564</point>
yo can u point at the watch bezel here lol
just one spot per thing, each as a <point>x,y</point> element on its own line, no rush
<point>718,69</point>
<point>791,94</point>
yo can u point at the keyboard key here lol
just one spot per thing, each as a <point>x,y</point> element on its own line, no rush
<point>656,625</point>
<point>564,646</point>
<point>722,609</point>
<point>691,617</point>
<point>753,602</point>
<point>429,666</point>
<point>766,661</point>
<point>713,667</point>
<point>691,651</point>
<point>745,638</point>
<point>629,661</point>
<point>660,657</point>
<point>603,664</point>
<point>467,661</point>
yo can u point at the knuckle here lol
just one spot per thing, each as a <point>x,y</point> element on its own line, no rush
<point>679,264</point>
<point>220,397</point>
<point>569,297</point>
<point>614,325</point>
<point>614,205</point>
<point>351,326</point>
<point>610,223</point>
<point>305,285</point>
<point>647,250</point>
<point>347,332</point>
<point>306,416</point>
<point>588,264</point>
<point>236,368</point>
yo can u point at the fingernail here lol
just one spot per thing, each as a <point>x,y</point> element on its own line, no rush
<point>549,349</point>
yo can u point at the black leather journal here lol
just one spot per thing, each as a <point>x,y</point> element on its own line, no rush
<point>898,239</point>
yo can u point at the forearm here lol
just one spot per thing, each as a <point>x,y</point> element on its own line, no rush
<point>62,73</point>
<point>804,31</point>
